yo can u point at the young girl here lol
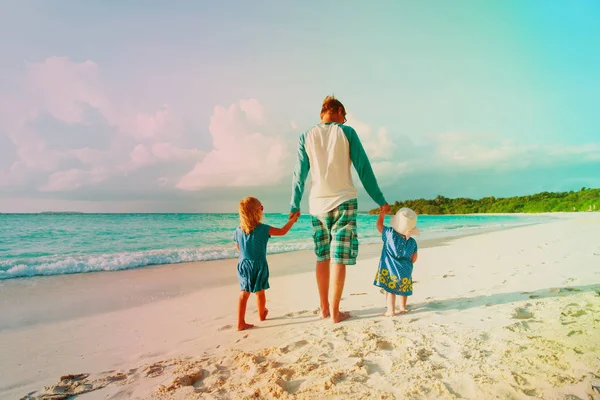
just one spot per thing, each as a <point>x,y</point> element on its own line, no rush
<point>399,253</point>
<point>253,271</point>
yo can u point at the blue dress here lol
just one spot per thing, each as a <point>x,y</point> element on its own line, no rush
<point>395,265</point>
<point>253,270</point>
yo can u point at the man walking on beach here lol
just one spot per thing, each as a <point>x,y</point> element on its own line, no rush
<point>329,148</point>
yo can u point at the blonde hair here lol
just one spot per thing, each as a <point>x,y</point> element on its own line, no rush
<point>331,105</point>
<point>250,213</point>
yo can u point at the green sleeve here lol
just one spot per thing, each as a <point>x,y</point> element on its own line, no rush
<point>361,163</point>
<point>300,174</point>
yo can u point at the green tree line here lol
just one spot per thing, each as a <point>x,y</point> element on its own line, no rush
<point>583,200</point>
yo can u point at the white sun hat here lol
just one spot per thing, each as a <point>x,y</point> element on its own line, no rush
<point>405,222</point>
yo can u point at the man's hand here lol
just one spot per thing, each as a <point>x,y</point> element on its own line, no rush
<point>385,208</point>
<point>294,216</point>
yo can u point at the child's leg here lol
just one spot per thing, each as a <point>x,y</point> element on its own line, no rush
<point>242,301</point>
<point>261,302</point>
<point>403,304</point>
<point>391,304</point>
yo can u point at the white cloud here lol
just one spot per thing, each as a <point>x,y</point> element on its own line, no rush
<point>144,155</point>
<point>60,87</point>
<point>255,112</point>
<point>379,145</point>
<point>242,155</point>
<point>386,171</point>
<point>65,131</point>
<point>74,179</point>
<point>487,151</point>
<point>163,123</point>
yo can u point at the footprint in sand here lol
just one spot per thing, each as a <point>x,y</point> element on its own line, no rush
<point>448,276</point>
<point>154,370</point>
<point>187,379</point>
<point>522,313</point>
<point>117,377</point>
<point>359,294</point>
<point>224,328</point>
<point>294,346</point>
<point>298,313</point>
<point>385,345</point>
<point>243,337</point>
<point>574,313</point>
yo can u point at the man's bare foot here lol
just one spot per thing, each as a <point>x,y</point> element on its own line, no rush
<point>245,326</point>
<point>388,314</point>
<point>325,312</point>
<point>342,315</point>
<point>403,311</point>
<point>264,315</point>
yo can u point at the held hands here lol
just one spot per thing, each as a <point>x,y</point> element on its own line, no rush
<point>294,217</point>
<point>384,209</point>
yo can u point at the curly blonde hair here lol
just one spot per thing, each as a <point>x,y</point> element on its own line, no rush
<point>251,213</point>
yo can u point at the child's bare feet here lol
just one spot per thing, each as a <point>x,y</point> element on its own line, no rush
<point>264,315</point>
<point>245,326</point>
<point>342,315</point>
<point>389,313</point>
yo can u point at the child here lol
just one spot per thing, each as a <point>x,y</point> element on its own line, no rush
<point>253,271</point>
<point>399,253</point>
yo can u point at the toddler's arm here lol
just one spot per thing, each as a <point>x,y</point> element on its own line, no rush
<point>380,220</point>
<point>414,257</point>
<point>282,231</point>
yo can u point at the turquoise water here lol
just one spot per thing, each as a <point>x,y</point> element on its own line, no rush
<point>54,244</point>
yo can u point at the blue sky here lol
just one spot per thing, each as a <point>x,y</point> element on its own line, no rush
<point>108,106</point>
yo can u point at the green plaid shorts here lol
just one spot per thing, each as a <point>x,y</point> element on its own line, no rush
<point>335,234</point>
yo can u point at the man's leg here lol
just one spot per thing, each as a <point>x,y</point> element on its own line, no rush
<point>338,279</point>
<point>322,240</point>
<point>344,249</point>
<point>323,285</point>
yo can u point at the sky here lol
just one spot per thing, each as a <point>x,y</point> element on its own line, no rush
<point>189,106</point>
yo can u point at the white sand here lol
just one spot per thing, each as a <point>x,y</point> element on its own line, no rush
<point>509,314</point>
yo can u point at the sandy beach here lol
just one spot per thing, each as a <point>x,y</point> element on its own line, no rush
<point>509,314</point>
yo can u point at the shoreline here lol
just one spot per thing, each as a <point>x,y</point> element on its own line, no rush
<point>429,236</point>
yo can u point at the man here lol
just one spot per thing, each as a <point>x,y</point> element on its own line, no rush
<point>329,148</point>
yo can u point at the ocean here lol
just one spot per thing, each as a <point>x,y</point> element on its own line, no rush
<point>55,244</point>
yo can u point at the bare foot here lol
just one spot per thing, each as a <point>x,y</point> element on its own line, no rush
<point>403,311</point>
<point>342,315</point>
<point>264,315</point>
<point>389,314</point>
<point>245,326</point>
<point>325,312</point>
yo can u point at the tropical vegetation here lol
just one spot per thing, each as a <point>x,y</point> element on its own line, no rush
<point>585,199</point>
